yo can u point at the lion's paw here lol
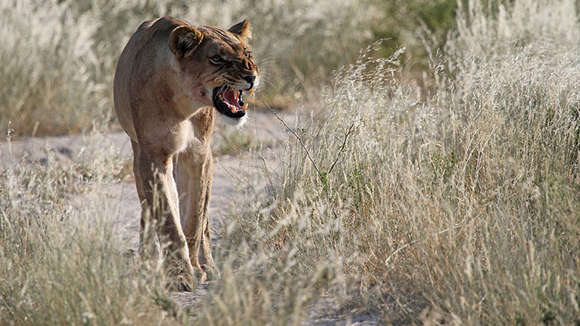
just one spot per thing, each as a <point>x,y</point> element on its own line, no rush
<point>181,283</point>
<point>211,272</point>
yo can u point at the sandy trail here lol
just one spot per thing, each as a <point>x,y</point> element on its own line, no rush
<point>231,172</point>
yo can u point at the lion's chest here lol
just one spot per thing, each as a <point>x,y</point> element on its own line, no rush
<point>187,139</point>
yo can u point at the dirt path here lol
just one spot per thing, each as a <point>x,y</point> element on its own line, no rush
<point>233,175</point>
<point>231,172</point>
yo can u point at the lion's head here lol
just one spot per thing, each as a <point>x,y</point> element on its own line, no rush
<point>219,64</point>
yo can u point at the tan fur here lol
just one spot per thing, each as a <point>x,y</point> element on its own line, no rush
<point>163,99</point>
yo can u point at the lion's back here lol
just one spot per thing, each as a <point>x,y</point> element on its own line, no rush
<point>142,46</point>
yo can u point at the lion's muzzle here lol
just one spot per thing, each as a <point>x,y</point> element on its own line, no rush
<point>229,101</point>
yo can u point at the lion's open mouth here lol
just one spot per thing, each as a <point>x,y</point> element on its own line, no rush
<point>229,101</point>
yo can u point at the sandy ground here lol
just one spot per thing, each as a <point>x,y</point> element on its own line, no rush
<point>233,175</point>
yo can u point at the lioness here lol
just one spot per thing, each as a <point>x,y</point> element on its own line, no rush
<point>170,80</point>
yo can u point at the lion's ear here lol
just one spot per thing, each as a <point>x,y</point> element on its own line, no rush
<point>242,29</point>
<point>184,39</point>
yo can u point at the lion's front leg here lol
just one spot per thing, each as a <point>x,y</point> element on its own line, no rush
<point>161,208</point>
<point>149,246</point>
<point>206,257</point>
<point>194,177</point>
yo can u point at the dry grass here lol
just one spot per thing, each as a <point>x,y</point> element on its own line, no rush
<point>62,265</point>
<point>465,202</point>
<point>47,69</point>
<point>461,203</point>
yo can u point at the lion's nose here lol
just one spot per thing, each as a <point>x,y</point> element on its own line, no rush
<point>250,78</point>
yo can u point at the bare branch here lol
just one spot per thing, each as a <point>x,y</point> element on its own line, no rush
<point>348,132</point>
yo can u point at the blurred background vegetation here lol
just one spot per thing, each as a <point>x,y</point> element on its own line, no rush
<point>58,57</point>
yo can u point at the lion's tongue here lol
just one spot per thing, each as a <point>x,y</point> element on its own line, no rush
<point>231,98</point>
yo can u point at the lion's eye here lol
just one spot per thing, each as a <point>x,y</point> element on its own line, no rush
<point>216,60</point>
